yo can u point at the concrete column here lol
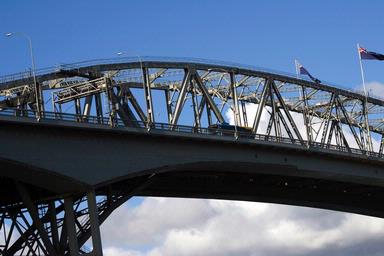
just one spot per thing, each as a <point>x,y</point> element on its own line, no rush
<point>95,227</point>
<point>71,226</point>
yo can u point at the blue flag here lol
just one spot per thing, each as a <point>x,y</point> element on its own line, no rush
<point>367,55</point>
<point>304,71</point>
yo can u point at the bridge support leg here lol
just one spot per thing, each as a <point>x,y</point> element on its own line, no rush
<point>60,226</point>
<point>53,223</point>
<point>95,227</point>
<point>33,212</point>
<point>71,227</point>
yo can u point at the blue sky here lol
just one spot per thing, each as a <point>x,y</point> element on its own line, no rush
<point>321,34</point>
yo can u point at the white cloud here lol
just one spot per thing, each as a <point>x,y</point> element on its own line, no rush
<point>374,88</point>
<point>115,251</point>
<point>147,224</point>
<point>242,228</point>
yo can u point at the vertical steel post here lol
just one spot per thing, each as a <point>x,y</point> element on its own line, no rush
<point>244,112</point>
<point>71,227</point>
<point>53,222</point>
<point>94,220</point>
<point>168,102</point>
<point>274,113</point>
<point>367,132</point>
<point>111,105</point>
<point>381,146</point>
<point>307,120</point>
<point>78,110</point>
<point>99,108</point>
<point>87,107</point>
<point>196,111</point>
<point>41,100</point>
<point>209,114</point>
<point>148,96</point>
<point>235,100</point>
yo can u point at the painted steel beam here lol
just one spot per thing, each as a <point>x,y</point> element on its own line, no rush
<point>148,96</point>
<point>261,105</point>
<point>208,98</point>
<point>181,98</point>
<point>35,217</point>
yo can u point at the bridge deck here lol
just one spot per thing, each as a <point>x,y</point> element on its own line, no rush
<point>67,119</point>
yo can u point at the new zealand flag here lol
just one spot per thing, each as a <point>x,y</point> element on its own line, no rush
<point>303,71</point>
<point>366,55</point>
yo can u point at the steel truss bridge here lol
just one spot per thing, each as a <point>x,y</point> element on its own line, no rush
<point>88,136</point>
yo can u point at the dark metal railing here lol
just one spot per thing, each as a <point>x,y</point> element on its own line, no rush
<point>114,122</point>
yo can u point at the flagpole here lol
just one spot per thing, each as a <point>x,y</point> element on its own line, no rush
<point>366,99</point>
<point>361,70</point>
<point>302,99</point>
<point>297,70</point>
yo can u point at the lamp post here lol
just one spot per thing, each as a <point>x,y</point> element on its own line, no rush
<point>38,110</point>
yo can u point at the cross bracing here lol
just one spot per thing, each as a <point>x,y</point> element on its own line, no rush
<point>42,228</point>
<point>202,94</point>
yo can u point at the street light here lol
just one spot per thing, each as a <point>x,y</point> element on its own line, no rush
<point>33,68</point>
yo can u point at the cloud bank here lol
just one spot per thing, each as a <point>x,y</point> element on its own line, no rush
<point>187,227</point>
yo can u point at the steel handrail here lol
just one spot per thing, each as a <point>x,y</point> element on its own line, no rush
<point>182,129</point>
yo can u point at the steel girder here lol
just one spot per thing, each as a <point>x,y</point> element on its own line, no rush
<point>200,95</point>
<point>60,226</point>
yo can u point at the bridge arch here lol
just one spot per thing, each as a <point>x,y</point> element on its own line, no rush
<point>112,129</point>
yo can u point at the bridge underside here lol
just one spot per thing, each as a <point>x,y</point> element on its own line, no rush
<point>23,233</point>
<point>223,181</point>
<point>270,188</point>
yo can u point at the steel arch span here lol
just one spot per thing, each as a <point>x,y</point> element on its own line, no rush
<point>88,136</point>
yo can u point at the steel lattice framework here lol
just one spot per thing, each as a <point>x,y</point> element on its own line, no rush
<point>178,95</point>
<point>44,228</point>
<point>201,94</point>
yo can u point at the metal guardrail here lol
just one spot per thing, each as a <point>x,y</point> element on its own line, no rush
<point>183,129</point>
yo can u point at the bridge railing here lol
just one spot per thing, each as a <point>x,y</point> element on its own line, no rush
<point>113,122</point>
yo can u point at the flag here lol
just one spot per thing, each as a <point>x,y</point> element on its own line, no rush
<point>366,55</point>
<point>303,71</point>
